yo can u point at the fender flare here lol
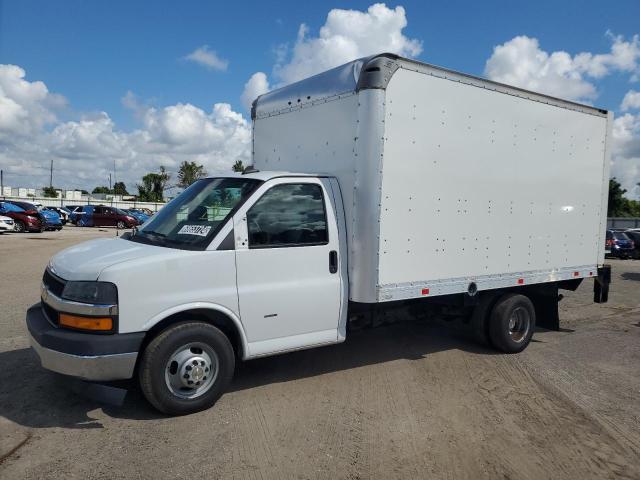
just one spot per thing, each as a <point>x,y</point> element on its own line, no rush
<point>148,325</point>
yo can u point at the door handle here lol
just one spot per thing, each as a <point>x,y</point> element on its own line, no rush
<point>333,261</point>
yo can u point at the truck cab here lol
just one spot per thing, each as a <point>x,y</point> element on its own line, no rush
<point>235,267</point>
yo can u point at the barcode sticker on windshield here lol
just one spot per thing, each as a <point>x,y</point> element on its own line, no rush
<point>202,230</point>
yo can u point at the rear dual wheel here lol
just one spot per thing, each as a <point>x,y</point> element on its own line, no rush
<point>511,323</point>
<point>186,368</point>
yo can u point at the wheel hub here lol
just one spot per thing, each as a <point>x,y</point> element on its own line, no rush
<point>194,371</point>
<point>191,370</point>
<point>519,324</point>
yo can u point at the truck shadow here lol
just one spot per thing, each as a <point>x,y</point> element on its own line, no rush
<point>631,276</point>
<point>34,398</point>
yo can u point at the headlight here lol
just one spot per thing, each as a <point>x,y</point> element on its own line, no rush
<point>103,293</point>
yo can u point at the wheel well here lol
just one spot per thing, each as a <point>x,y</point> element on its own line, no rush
<point>215,318</point>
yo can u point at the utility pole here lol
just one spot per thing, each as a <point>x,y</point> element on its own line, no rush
<point>114,171</point>
<point>51,175</point>
<point>109,181</point>
<point>2,183</point>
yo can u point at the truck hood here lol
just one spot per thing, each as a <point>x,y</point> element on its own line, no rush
<point>86,260</point>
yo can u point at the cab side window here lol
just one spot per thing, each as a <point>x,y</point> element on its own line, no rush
<point>290,215</point>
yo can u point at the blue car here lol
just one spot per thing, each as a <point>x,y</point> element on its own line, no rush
<point>76,213</point>
<point>84,216</point>
<point>52,220</point>
<point>139,215</point>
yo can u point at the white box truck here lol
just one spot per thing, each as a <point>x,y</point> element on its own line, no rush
<point>380,184</point>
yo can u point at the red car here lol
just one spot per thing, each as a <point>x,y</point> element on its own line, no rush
<point>112,217</point>
<point>29,220</point>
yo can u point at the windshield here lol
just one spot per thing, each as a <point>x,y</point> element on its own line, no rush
<point>191,219</point>
<point>620,236</point>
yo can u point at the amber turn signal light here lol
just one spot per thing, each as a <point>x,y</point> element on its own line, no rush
<point>86,323</point>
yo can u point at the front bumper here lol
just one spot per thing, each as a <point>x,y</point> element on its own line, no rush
<point>84,355</point>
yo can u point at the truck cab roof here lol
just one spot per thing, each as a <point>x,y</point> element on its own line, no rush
<point>263,176</point>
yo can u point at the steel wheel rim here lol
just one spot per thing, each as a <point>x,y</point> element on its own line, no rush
<point>519,324</point>
<point>191,370</point>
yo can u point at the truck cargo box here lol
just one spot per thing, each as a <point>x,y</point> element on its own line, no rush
<point>450,182</point>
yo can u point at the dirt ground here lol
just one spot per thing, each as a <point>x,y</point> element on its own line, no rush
<point>410,400</point>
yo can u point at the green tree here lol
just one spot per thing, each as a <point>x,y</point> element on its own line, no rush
<point>50,192</point>
<point>619,205</point>
<point>152,187</point>
<point>238,166</point>
<point>119,188</point>
<point>616,198</point>
<point>101,189</point>
<point>189,172</point>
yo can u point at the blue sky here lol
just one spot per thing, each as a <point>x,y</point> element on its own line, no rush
<point>92,53</point>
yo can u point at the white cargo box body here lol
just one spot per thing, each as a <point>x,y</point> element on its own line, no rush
<point>447,179</point>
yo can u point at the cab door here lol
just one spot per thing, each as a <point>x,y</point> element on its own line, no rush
<point>288,266</point>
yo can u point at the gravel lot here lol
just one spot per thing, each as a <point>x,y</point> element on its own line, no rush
<point>410,400</point>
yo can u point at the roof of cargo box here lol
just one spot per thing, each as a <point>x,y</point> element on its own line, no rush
<point>375,72</point>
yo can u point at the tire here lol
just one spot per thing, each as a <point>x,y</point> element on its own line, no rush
<point>511,323</point>
<point>170,357</point>
<point>121,225</point>
<point>19,226</point>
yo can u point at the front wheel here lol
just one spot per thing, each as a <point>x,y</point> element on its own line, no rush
<point>512,322</point>
<point>121,225</point>
<point>186,368</point>
<point>19,226</point>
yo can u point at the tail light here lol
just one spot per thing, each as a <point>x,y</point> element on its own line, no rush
<point>609,242</point>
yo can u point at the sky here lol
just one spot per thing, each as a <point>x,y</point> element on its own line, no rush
<point>137,85</point>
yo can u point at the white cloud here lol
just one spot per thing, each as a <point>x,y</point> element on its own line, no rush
<point>84,150</point>
<point>626,153</point>
<point>208,58</point>
<point>345,36</point>
<point>630,101</point>
<point>521,62</point>
<point>25,106</point>
<point>255,86</point>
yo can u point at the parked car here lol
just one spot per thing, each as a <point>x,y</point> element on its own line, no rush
<point>25,220</point>
<point>52,220</point>
<point>634,235</point>
<point>618,244</point>
<point>6,224</point>
<point>146,211</point>
<point>103,216</point>
<point>139,215</point>
<point>76,212</point>
<point>62,211</point>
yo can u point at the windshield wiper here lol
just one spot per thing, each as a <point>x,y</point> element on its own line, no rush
<point>160,238</point>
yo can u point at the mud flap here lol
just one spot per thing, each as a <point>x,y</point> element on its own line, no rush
<point>601,284</point>
<point>546,305</point>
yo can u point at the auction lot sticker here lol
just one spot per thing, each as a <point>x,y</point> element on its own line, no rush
<point>202,230</point>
